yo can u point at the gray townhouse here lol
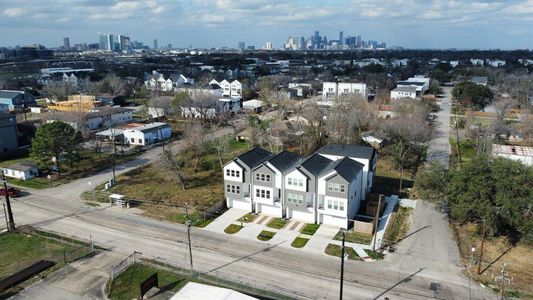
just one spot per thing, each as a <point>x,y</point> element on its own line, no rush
<point>238,178</point>
<point>325,188</point>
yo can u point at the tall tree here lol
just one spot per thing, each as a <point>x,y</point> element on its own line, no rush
<point>174,164</point>
<point>53,142</point>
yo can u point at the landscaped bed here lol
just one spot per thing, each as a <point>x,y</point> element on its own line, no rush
<point>277,223</point>
<point>265,235</point>
<point>247,218</point>
<point>310,229</point>
<point>354,237</point>
<point>232,228</point>
<point>336,250</point>
<point>374,255</point>
<point>299,242</point>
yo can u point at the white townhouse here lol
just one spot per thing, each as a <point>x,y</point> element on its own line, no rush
<point>332,90</point>
<point>157,82</point>
<point>325,188</point>
<point>229,89</point>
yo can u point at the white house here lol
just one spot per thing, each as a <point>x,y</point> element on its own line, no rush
<point>22,170</point>
<point>403,92</point>
<point>495,63</point>
<point>477,62</point>
<point>147,134</point>
<point>229,89</point>
<point>254,105</point>
<point>419,81</point>
<point>519,153</point>
<point>156,81</point>
<point>331,90</point>
<point>101,118</point>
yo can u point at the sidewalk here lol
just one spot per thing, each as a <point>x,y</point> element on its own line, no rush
<point>224,220</point>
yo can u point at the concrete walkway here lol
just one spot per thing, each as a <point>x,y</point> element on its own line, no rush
<point>224,220</point>
<point>320,240</point>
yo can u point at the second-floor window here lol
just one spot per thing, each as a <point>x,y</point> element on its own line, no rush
<point>295,182</point>
<point>265,194</point>
<point>234,189</point>
<point>336,205</point>
<point>336,187</point>
<point>262,177</point>
<point>295,198</point>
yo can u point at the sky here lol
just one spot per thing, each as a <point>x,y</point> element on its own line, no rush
<point>216,23</point>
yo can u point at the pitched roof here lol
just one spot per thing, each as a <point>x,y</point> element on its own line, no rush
<point>284,160</point>
<point>9,94</point>
<point>254,157</point>
<point>22,166</point>
<point>316,164</point>
<point>364,152</point>
<point>348,168</point>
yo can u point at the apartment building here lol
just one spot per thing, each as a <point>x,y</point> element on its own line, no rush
<point>331,90</point>
<point>325,188</point>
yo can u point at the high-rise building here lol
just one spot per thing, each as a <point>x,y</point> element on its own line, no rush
<point>103,41</point>
<point>303,44</point>
<point>66,43</point>
<point>241,45</point>
<point>268,46</point>
<point>359,41</point>
<point>155,44</point>
<point>341,38</point>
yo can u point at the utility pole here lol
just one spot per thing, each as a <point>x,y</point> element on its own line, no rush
<point>11,225</point>
<point>188,223</point>
<point>376,222</point>
<point>114,153</point>
<point>503,277</point>
<point>342,265</point>
<point>457,140</point>
<point>481,251</point>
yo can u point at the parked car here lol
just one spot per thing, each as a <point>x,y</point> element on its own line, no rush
<point>11,192</point>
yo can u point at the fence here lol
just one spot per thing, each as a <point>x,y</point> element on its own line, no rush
<point>3,217</point>
<point>215,277</point>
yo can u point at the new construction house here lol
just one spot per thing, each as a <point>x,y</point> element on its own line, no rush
<point>324,188</point>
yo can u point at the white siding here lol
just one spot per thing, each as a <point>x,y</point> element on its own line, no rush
<point>269,201</point>
<point>279,177</point>
<point>307,217</point>
<point>269,210</point>
<point>245,205</point>
<point>297,175</point>
<point>233,166</point>
<point>335,221</point>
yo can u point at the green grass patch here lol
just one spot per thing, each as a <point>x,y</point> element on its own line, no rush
<point>374,255</point>
<point>126,285</point>
<point>237,145</point>
<point>299,242</point>
<point>398,225</point>
<point>35,183</point>
<point>265,235</point>
<point>92,204</point>
<point>336,250</point>
<point>310,229</point>
<point>247,218</point>
<point>232,228</point>
<point>277,223</point>
<point>354,237</point>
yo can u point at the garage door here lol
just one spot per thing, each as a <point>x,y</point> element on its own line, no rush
<point>302,216</point>
<point>242,205</point>
<point>270,210</point>
<point>335,221</point>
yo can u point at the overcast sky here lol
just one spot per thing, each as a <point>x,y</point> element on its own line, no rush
<point>504,24</point>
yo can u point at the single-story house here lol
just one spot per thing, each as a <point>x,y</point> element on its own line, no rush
<point>520,153</point>
<point>23,170</point>
<point>254,105</point>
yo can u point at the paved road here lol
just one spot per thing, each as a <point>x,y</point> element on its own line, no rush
<point>439,148</point>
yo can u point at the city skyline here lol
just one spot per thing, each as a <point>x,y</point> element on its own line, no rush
<point>224,23</point>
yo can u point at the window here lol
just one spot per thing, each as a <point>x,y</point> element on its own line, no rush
<point>234,189</point>
<point>132,140</point>
<point>329,204</point>
<point>232,173</point>
<point>336,187</point>
<point>335,205</point>
<point>289,181</point>
<point>262,194</point>
<point>295,198</point>
<point>237,173</point>
<point>262,177</point>
<point>295,182</point>
<point>342,188</point>
<point>341,205</point>
<point>227,173</point>
<point>140,141</point>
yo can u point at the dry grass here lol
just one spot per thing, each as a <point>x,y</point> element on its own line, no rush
<point>498,251</point>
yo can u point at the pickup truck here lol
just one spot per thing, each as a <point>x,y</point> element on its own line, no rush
<point>11,192</point>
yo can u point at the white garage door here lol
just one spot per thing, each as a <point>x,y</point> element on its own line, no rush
<point>335,221</point>
<point>302,216</point>
<point>270,210</point>
<point>245,205</point>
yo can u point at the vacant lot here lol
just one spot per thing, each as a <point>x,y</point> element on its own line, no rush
<point>496,252</point>
<point>161,194</point>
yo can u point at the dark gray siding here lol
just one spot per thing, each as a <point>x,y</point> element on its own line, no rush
<point>337,180</point>
<point>264,170</point>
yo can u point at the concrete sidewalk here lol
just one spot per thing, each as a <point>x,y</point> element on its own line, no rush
<point>320,240</point>
<point>224,220</point>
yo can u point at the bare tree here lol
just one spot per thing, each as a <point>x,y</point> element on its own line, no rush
<point>205,105</point>
<point>408,131</point>
<point>59,90</point>
<point>195,141</point>
<point>115,86</point>
<point>173,164</point>
<point>221,146</point>
<point>314,135</point>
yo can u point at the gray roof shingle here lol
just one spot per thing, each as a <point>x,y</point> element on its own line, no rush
<point>284,160</point>
<point>254,157</point>
<point>316,164</point>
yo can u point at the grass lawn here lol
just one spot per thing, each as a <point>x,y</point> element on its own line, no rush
<point>310,229</point>
<point>126,285</point>
<point>374,255</point>
<point>398,225</point>
<point>18,251</point>
<point>336,250</point>
<point>354,237</point>
<point>35,183</point>
<point>232,228</point>
<point>299,242</point>
<point>468,151</point>
<point>277,223</point>
<point>265,235</point>
<point>247,218</point>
